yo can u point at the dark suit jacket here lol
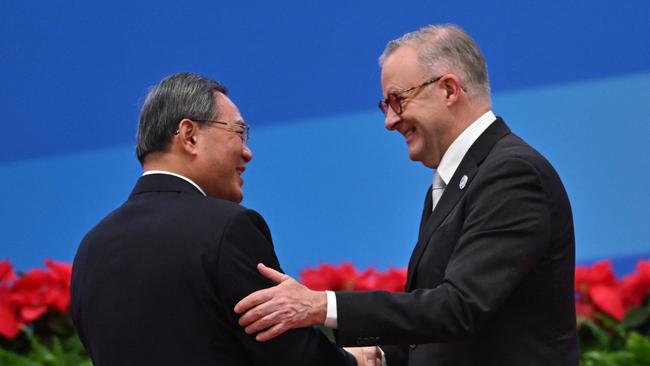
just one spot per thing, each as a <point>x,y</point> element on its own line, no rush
<point>490,281</point>
<point>156,281</point>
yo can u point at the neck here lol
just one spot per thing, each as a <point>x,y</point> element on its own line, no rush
<point>166,162</point>
<point>460,119</point>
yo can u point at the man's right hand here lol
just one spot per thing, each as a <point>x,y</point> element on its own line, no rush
<point>275,310</point>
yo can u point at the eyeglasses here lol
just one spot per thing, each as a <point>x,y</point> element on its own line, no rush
<point>394,99</point>
<point>242,129</point>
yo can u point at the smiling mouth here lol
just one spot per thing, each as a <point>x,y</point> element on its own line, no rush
<point>240,170</point>
<point>408,132</point>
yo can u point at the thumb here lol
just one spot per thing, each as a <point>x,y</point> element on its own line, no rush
<point>272,274</point>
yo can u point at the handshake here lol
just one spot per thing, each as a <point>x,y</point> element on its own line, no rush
<point>290,305</point>
<point>366,356</point>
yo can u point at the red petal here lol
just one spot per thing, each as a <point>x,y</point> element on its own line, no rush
<point>6,272</point>
<point>61,271</point>
<point>608,299</point>
<point>9,326</point>
<point>29,314</point>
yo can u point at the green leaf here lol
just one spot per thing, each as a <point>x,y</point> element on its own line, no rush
<point>606,358</point>
<point>39,352</point>
<point>636,316</point>
<point>602,337</point>
<point>611,324</point>
<point>640,347</point>
<point>49,351</point>
<point>57,353</point>
<point>8,358</point>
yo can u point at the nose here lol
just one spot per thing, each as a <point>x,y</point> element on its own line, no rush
<point>247,153</point>
<point>391,120</point>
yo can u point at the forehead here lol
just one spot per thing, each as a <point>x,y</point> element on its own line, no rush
<point>228,111</point>
<point>401,69</point>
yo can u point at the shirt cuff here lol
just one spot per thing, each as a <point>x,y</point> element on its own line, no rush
<point>383,357</point>
<point>330,318</point>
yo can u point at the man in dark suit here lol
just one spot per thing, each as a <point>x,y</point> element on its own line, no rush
<point>155,282</point>
<point>490,281</point>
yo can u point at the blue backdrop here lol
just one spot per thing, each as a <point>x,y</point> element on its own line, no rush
<point>571,78</point>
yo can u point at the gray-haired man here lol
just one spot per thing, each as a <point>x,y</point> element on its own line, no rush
<point>490,280</point>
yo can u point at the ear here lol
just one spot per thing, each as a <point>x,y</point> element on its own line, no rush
<point>453,88</point>
<point>187,135</point>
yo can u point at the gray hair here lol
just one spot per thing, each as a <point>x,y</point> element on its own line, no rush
<point>447,46</point>
<point>182,95</point>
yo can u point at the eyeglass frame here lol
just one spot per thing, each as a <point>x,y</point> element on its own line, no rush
<point>243,134</point>
<point>384,104</point>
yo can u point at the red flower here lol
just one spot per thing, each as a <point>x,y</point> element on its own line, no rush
<point>345,278</point>
<point>38,290</point>
<point>329,277</point>
<point>9,325</point>
<point>392,280</point>
<point>608,299</point>
<point>29,294</point>
<point>366,280</point>
<point>59,296</point>
<point>635,287</point>
<point>597,285</point>
<point>598,274</point>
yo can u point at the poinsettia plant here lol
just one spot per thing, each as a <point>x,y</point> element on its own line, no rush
<point>345,277</point>
<point>35,324</point>
<point>613,314</point>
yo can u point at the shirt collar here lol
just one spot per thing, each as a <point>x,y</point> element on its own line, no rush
<point>457,150</point>
<point>149,172</point>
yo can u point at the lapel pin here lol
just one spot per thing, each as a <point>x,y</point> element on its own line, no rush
<point>463,181</point>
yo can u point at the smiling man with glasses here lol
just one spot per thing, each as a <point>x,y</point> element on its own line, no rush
<point>155,282</point>
<point>490,280</point>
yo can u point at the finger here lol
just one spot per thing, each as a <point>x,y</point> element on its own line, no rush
<point>272,332</point>
<point>262,323</point>
<point>369,355</point>
<point>254,315</point>
<point>272,274</point>
<point>370,361</point>
<point>253,300</point>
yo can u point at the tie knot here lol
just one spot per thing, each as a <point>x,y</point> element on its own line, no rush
<point>438,183</point>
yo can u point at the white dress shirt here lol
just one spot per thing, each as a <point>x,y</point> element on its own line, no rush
<point>457,150</point>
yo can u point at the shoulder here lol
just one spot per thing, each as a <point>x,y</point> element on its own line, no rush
<point>512,152</point>
<point>211,208</point>
<point>513,161</point>
<point>174,215</point>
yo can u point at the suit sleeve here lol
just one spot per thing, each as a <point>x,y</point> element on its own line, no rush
<point>246,242</point>
<point>396,355</point>
<point>505,232</point>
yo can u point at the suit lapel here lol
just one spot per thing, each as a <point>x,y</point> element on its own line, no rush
<point>453,192</point>
<point>426,212</point>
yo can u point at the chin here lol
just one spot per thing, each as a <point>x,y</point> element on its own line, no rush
<point>238,196</point>
<point>415,155</point>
